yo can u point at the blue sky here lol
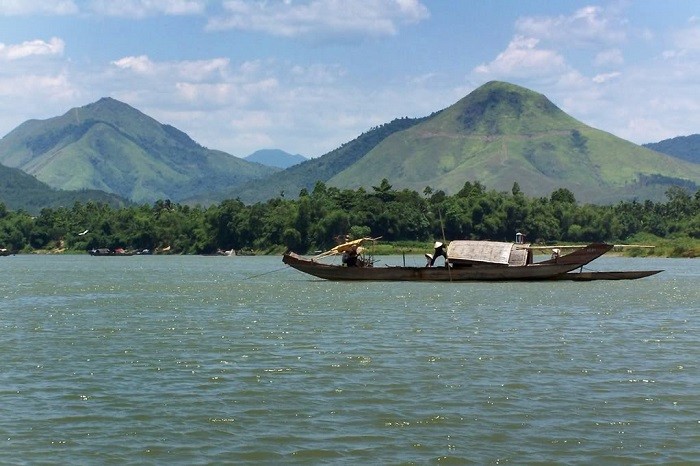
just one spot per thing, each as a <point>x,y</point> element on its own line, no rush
<point>306,76</point>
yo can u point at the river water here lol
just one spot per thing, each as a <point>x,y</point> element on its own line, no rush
<point>238,360</point>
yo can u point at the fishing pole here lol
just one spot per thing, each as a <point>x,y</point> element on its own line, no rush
<point>444,241</point>
<point>265,273</point>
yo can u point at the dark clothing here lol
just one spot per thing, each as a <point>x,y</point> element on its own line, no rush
<point>350,258</point>
<point>439,251</point>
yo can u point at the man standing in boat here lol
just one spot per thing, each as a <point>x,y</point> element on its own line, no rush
<point>440,250</point>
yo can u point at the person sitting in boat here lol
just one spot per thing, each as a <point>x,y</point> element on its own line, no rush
<point>440,250</point>
<point>555,254</point>
<point>350,257</point>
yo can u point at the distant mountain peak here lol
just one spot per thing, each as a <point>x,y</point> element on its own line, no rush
<point>275,158</point>
<point>104,100</point>
<point>109,102</point>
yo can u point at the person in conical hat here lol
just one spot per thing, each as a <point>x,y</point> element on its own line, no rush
<point>440,250</point>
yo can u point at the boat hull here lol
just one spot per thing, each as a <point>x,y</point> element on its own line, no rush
<point>539,271</point>
<point>613,275</point>
<point>475,272</point>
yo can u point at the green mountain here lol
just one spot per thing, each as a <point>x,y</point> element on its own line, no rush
<point>683,147</point>
<point>20,191</point>
<point>110,146</point>
<point>275,158</point>
<point>501,134</point>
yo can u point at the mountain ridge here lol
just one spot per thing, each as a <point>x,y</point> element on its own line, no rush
<point>499,134</point>
<point>21,191</point>
<point>683,147</point>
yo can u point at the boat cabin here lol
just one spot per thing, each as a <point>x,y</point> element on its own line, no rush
<point>467,253</point>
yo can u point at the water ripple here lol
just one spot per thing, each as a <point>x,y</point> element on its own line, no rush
<point>188,360</point>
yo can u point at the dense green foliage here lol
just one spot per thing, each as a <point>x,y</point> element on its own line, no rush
<point>20,191</point>
<point>316,218</point>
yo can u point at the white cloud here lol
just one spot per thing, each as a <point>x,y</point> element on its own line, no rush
<point>26,49</point>
<point>57,86</point>
<point>654,117</point>
<point>29,95</point>
<point>192,70</point>
<point>141,64</point>
<point>522,58</point>
<point>601,78</point>
<point>320,17</point>
<point>30,7</point>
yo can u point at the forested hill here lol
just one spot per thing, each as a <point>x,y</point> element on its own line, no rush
<point>20,191</point>
<point>683,147</point>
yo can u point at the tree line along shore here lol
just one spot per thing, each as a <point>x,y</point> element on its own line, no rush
<point>407,222</point>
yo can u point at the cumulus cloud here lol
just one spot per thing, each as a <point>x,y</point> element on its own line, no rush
<point>34,95</point>
<point>194,70</point>
<point>522,57</point>
<point>320,17</point>
<point>58,85</point>
<point>44,7</point>
<point>141,64</point>
<point>26,49</point>
<point>603,77</point>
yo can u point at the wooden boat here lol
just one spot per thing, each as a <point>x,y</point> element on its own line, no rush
<point>606,275</point>
<point>468,261</point>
